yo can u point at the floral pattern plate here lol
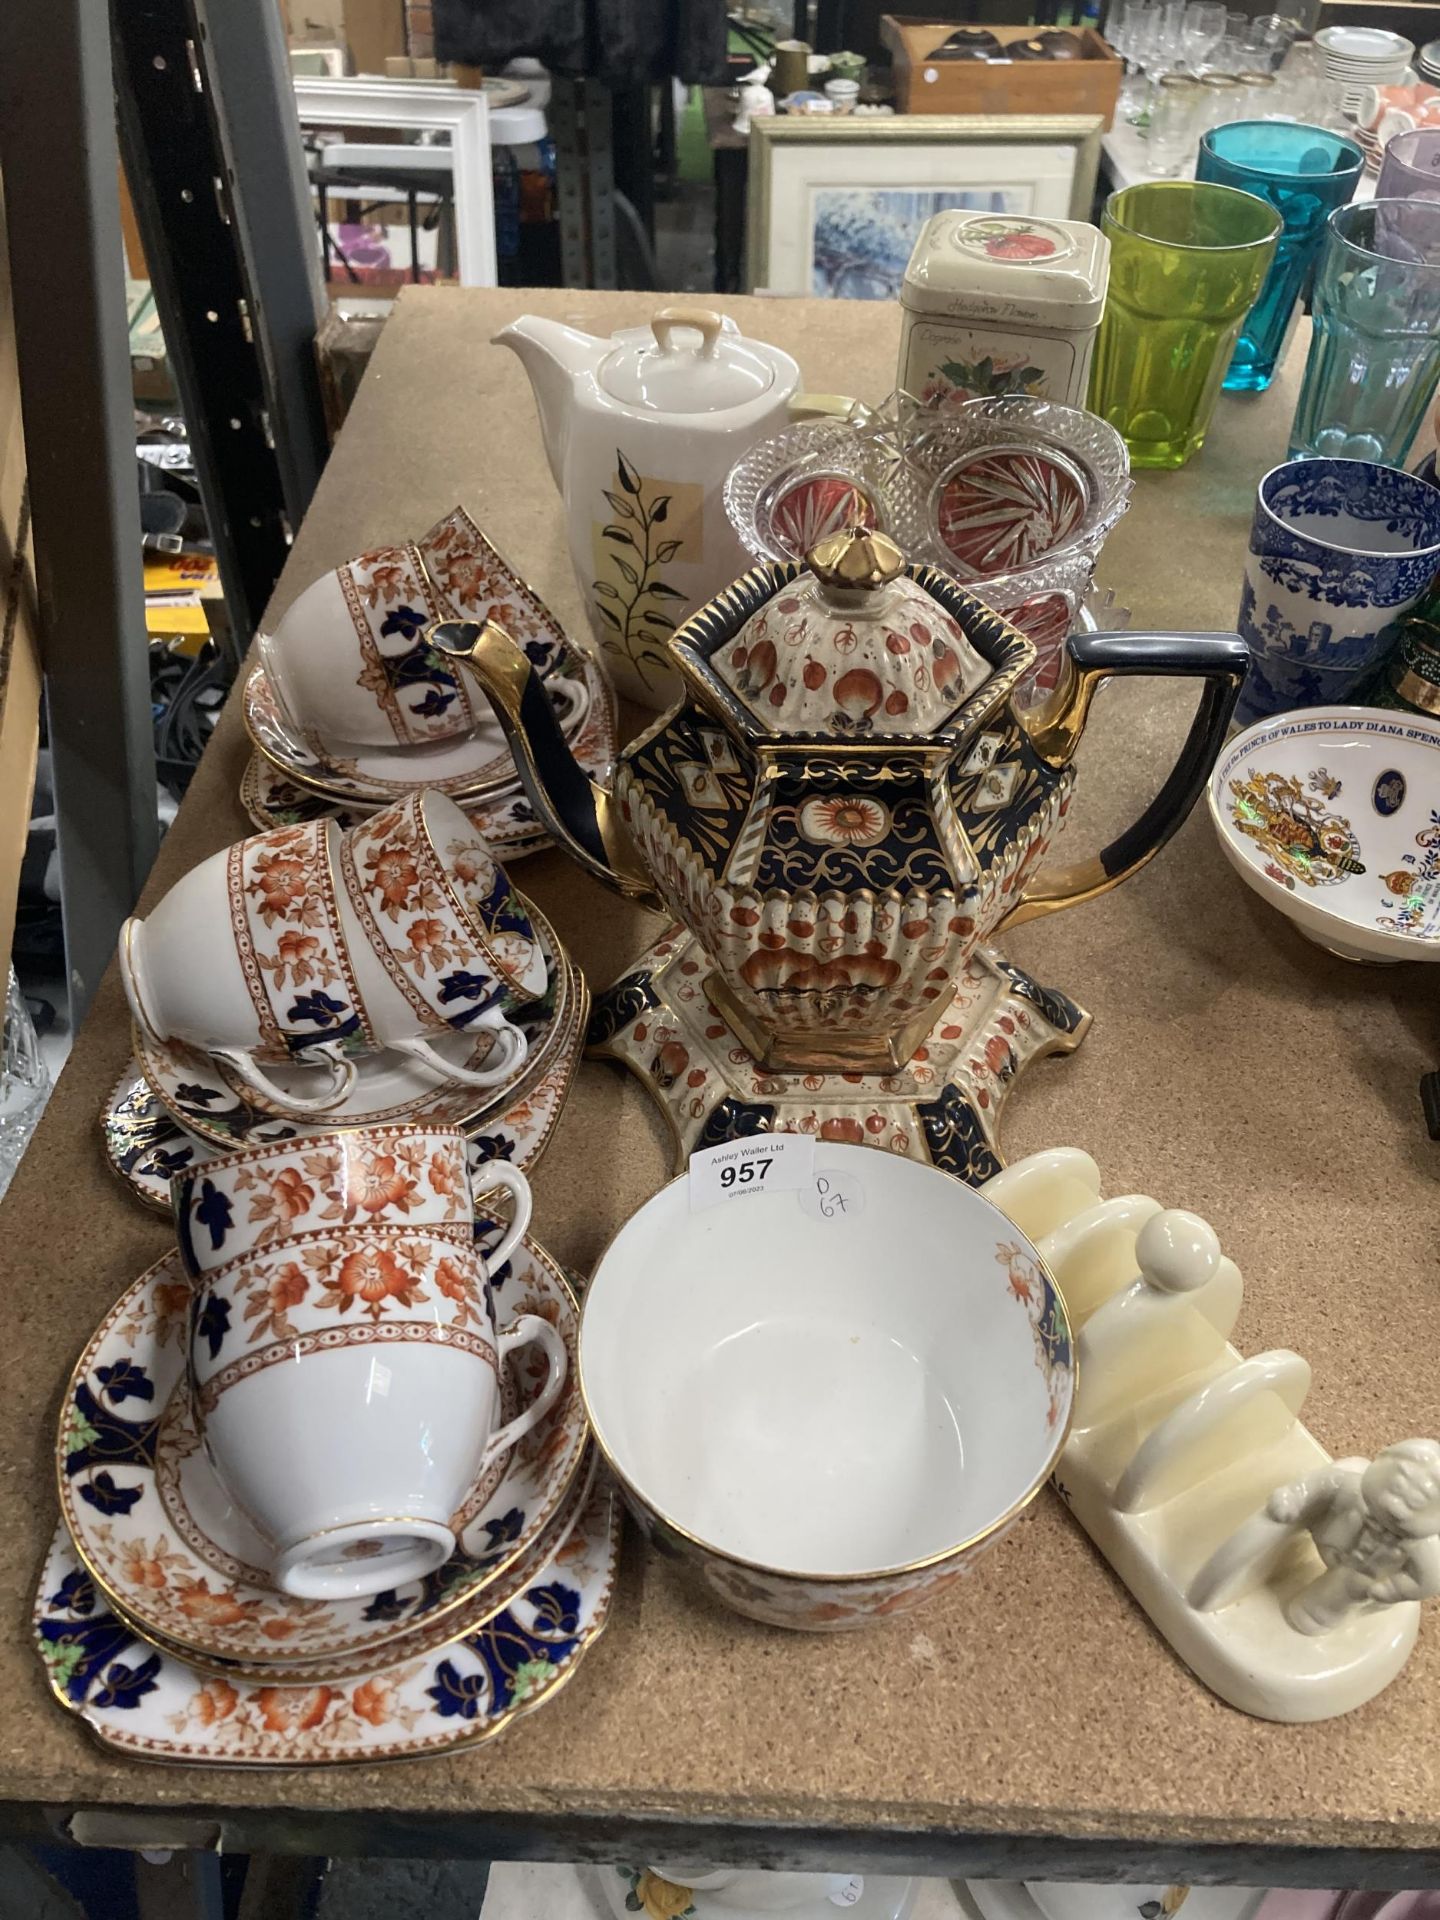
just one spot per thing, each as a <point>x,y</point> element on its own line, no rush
<point>154,1706</point>
<point>412,1641</point>
<point>211,1103</point>
<point>155,1530</point>
<point>506,819</point>
<point>145,1144</point>
<point>479,764</point>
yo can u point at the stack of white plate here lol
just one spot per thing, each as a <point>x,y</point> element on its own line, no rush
<point>1359,57</point>
<point>1427,63</point>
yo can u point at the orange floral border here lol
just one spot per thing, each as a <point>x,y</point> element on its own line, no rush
<point>389,1333</point>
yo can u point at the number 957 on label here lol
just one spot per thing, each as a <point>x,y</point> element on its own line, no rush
<point>765,1163</point>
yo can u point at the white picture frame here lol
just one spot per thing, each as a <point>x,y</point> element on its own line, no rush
<point>416,106</point>
<point>835,205</point>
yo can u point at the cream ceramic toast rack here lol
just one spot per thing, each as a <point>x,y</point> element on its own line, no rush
<point>1287,1581</point>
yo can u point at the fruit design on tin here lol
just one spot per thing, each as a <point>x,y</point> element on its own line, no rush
<point>1022,244</point>
<point>1016,240</point>
<point>984,379</point>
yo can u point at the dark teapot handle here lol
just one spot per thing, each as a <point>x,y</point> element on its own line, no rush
<point>1220,659</point>
<point>577,810</point>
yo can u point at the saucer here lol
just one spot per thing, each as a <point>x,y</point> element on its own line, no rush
<point>145,1144</point>
<point>493,1598</point>
<point>156,1531</point>
<point>1361,47</point>
<point>507,820</point>
<point>471,762</point>
<point>210,1102</point>
<point>943,1105</point>
<point>154,1706</point>
<point>480,763</point>
<point>476,582</point>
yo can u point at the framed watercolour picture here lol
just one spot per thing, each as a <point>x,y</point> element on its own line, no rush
<point>837,204</point>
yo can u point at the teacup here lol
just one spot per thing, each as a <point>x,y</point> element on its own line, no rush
<point>422,850</point>
<point>347,1377</point>
<point>1372,102</point>
<point>255,957</point>
<point>1339,551</point>
<point>246,958</point>
<point>350,665</point>
<point>1082,1900</point>
<point>436,932</point>
<point>756,1889</point>
<point>399,1176</point>
<point>348,660</point>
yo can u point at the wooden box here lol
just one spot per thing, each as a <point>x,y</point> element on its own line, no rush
<point>1088,85</point>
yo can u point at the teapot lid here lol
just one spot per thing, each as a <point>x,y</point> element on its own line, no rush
<point>855,646</point>
<point>690,360</point>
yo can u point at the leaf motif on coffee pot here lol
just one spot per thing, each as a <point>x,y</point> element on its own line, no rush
<point>637,606</point>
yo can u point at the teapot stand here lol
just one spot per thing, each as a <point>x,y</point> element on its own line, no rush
<point>943,1106</point>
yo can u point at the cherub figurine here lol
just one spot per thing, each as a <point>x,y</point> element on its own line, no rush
<point>1375,1524</point>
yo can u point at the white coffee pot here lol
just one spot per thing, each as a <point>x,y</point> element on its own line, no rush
<point>640,431</point>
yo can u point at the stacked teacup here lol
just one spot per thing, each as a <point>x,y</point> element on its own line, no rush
<point>350,705</point>
<point>345,1365</point>
<point>309,949</point>
<point>327,1487</point>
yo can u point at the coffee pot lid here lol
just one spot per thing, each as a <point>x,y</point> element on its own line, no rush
<point>689,360</point>
<point>854,647</point>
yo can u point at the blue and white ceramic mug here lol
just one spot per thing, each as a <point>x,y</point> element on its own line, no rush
<point>1340,550</point>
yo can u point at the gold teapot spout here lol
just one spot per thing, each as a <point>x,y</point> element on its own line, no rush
<point>577,810</point>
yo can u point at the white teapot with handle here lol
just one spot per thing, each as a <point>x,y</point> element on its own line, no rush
<point>640,431</point>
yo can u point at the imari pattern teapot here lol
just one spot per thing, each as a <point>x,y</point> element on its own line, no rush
<point>845,800</point>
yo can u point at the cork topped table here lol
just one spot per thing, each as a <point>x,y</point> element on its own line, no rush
<point>1029,1721</point>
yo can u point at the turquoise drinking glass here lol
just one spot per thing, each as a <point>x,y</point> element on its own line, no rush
<point>1187,259</point>
<point>1305,173</point>
<point>1375,351</point>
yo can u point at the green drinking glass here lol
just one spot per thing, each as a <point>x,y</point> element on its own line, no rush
<point>1187,260</point>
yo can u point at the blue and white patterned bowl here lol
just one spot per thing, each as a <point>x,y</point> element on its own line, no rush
<point>1339,551</point>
